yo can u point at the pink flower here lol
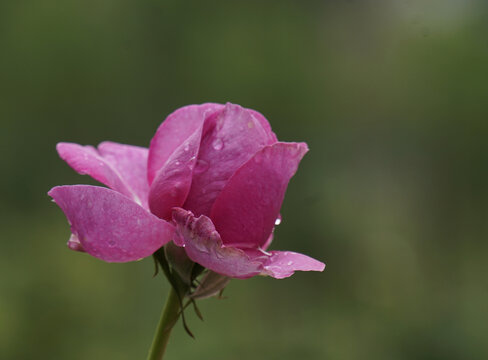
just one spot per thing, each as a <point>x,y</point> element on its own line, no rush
<point>213,181</point>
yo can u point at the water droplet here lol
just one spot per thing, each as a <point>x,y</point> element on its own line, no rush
<point>218,144</point>
<point>250,124</point>
<point>111,243</point>
<point>74,243</point>
<point>187,147</point>
<point>177,163</point>
<point>289,263</point>
<point>278,221</point>
<point>201,166</point>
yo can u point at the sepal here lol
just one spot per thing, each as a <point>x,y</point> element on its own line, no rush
<point>211,284</point>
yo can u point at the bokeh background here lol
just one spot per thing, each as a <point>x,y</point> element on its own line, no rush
<point>392,98</point>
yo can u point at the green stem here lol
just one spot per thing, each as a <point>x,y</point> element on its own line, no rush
<point>169,316</point>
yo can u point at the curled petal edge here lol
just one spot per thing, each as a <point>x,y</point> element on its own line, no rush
<point>203,245</point>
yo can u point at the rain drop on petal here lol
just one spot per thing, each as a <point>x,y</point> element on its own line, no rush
<point>218,144</point>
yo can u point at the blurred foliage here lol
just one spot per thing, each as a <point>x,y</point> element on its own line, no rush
<point>391,97</point>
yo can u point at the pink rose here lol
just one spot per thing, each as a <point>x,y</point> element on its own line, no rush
<point>212,181</point>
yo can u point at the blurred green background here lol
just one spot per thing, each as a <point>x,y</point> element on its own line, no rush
<point>392,98</point>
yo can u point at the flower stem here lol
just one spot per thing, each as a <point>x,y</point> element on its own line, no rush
<point>169,316</point>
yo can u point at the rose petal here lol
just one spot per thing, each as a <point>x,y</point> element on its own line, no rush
<point>172,183</point>
<point>120,167</point>
<point>265,124</point>
<point>244,214</point>
<point>174,130</point>
<point>282,264</point>
<point>131,163</point>
<point>110,226</point>
<point>233,137</point>
<point>204,246</point>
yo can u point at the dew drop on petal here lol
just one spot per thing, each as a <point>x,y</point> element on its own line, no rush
<point>278,221</point>
<point>74,243</point>
<point>289,263</point>
<point>218,144</point>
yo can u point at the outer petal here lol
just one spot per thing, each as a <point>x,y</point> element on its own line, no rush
<point>172,183</point>
<point>245,211</point>
<point>177,127</point>
<point>110,226</point>
<point>204,246</point>
<point>120,167</point>
<point>232,138</point>
<point>282,264</point>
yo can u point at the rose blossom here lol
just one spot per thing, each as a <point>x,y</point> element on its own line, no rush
<point>212,181</point>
